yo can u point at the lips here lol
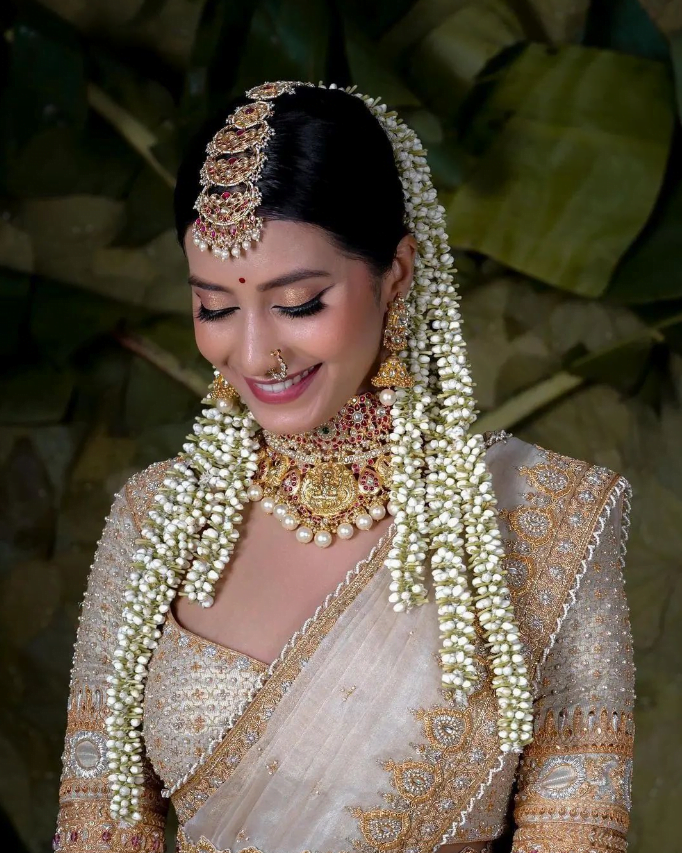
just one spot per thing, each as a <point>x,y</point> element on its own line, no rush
<point>286,390</point>
<point>290,380</point>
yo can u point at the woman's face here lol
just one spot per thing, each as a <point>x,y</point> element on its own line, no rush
<point>296,292</point>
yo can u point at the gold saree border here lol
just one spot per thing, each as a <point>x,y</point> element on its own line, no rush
<point>203,845</point>
<point>558,528</point>
<point>252,723</point>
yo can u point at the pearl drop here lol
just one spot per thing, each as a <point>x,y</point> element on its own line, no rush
<point>377,512</point>
<point>323,539</point>
<point>304,534</point>
<point>226,405</point>
<point>345,531</point>
<point>255,492</point>
<point>280,511</point>
<point>392,508</point>
<point>387,397</point>
<point>289,522</point>
<point>267,505</point>
<point>364,521</point>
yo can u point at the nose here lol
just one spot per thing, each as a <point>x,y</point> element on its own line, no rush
<point>256,340</point>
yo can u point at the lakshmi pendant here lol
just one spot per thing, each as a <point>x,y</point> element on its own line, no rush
<point>331,480</point>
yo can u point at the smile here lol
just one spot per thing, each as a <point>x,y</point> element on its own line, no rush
<point>287,389</point>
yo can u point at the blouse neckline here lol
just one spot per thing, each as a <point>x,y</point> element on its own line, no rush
<point>226,651</point>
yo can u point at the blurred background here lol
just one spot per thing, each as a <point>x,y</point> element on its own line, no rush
<point>553,130</point>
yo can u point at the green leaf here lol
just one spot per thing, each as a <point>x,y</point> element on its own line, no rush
<point>219,43</point>
<point>149,210</point>
<point>572,175</point>
<point>651,269</point>
<point>372,72</point>
<point>288,40</point>
<point>443,66</point>
<point>624,26</point>
<point>376,18</point>
<point>37,393</point>
<point>15,303</point>
<point>46,76</point>
<point>560,21</point>
<point>676,57</point>
<point>57,161</point>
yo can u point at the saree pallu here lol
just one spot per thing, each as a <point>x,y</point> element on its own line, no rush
<point>351,744</point>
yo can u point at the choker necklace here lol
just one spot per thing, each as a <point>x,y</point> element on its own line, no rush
<point>329,480</point>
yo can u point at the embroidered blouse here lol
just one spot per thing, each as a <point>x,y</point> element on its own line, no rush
<point>566,526</point>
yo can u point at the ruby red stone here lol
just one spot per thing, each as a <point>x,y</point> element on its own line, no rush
<point>73,836</point>
<point>226,195</point>
<point>241,132</point>
<point>107,835</point>
<point>248,110</point>
<point>233,230</point>
<point>232,160</point>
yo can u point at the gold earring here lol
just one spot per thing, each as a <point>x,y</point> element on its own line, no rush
<point>221,390</point>
<point>393,373</point>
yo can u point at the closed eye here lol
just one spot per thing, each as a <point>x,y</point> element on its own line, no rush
<point>205,315</point>
<point>313,306</point>
<point>307,309</point>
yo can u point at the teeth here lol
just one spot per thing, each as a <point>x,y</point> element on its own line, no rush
<point>278,387</point>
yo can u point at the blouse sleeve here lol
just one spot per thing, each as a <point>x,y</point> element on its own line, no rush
<point>84,824</point>
<point>574,779</point>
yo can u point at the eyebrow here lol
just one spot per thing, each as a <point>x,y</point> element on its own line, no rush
<point>280,281</point>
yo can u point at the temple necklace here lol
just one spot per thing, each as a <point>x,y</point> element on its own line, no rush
<point>332,479</point>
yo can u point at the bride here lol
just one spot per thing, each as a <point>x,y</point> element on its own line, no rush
<point>340,619</point>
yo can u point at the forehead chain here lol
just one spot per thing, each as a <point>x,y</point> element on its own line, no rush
<point>227,223</point>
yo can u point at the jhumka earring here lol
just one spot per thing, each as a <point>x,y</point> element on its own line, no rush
<point>279,372</point>
<point>392,373</point>
<point>220,390</point>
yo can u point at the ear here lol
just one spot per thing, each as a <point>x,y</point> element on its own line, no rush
<point>398,279</point>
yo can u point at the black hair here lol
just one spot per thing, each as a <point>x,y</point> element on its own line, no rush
<point>329,163</point>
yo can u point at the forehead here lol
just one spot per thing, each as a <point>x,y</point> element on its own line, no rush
<point>283,246</point>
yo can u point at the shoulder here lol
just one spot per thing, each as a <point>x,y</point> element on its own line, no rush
<point>140,489</point>
<point>524,472</point>
<point>554,511</point>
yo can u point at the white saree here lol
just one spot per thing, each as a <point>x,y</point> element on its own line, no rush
<point>347,742</point>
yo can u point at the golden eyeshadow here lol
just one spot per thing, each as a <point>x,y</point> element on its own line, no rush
<point>292,298</point>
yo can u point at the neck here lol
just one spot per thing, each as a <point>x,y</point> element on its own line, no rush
<point>362,424</point>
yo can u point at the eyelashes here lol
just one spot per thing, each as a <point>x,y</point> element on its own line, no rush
<point>313,306</point>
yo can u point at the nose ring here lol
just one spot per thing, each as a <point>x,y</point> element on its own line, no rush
<point>279,372</point>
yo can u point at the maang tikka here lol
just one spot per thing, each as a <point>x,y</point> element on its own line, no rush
<point>227,222</point>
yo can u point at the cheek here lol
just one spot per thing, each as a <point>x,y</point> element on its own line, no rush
<point>349,332</point>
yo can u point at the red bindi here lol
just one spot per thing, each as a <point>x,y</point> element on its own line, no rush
<point>242,280</point>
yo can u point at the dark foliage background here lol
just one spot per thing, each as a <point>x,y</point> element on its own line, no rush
<point>553,131</point>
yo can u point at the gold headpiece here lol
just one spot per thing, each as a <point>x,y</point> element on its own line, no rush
<point>227,222</point>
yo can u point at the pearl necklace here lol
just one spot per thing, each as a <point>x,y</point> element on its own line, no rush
<point>332,479</point>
